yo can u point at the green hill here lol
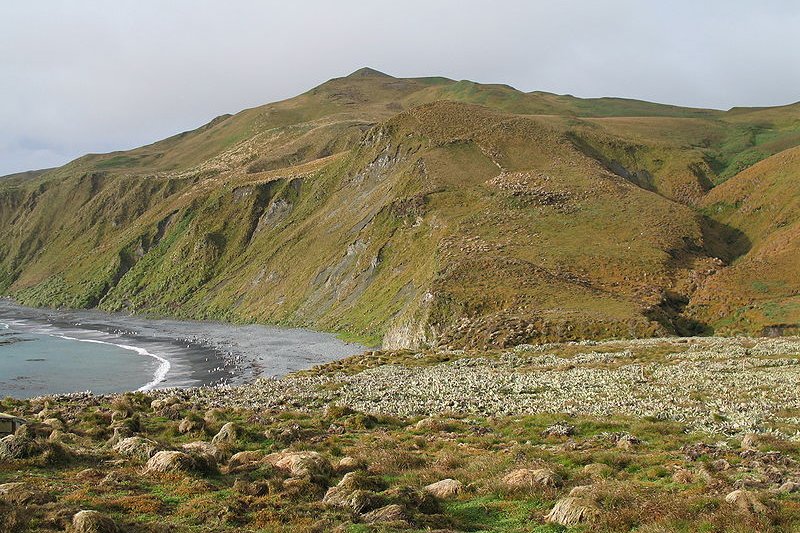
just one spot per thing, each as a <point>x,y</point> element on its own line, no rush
<point>424,211</point>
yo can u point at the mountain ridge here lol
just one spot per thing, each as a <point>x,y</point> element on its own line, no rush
<point>409,212</point>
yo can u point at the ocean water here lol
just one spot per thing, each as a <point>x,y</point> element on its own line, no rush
<point>37,359</point>
<point>49,351</point>
<point>55,352</point>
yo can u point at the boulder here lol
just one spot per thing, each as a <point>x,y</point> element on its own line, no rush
<point>445,489</point>
<point>137,448</point>
<point>746,502</point>
<point>227,434</point>
<point>571,511</point>
<point>93,522</point>
<point>525,478</point>
<point>393,514</point>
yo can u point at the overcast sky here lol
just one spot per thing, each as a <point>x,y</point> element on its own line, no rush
<point>95,76</point>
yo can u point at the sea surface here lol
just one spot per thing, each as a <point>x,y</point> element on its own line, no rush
<point>45,351</point>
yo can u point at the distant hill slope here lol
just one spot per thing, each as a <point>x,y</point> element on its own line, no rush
<point>760,291</point>
<point>421,211</point>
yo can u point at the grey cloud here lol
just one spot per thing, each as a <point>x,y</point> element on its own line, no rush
<point>89,76</point>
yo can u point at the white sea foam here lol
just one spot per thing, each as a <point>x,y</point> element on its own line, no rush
<point>3,325</point>
<point>158,376</point>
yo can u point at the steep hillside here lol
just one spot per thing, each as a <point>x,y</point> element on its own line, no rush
<point>760,291</point>
<point>405,212</point>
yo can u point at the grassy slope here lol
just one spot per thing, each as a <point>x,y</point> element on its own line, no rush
<point>761,288</point>
<point>369,205</point>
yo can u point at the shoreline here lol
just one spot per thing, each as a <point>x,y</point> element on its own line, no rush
<point>199,353</point>
<point>158,376</point>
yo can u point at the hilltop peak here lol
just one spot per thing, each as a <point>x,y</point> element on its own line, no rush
<point>367,72</point>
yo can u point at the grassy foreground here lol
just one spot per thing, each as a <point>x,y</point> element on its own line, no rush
<point>294,460</point>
